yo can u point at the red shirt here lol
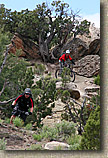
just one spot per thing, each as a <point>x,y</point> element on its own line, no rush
<point>63,57</point>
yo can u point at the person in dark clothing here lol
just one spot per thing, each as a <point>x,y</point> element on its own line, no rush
<point>22,104</point>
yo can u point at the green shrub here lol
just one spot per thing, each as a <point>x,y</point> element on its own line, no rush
<point>60,130</point>
<point>39,69</point>
<point>35,147</point>
<point>37,137</point>
<point>3,144</point>
<point>74,146</point>
<point>7,120</point>
<point>97,80</point>
<point>74,141</point>
<point>91,136</point>
<point>18,122</point>
<point>66,128</point>
<point>49,133</point>
<point>29,126</point>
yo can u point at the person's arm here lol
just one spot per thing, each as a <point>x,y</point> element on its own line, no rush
<point>32,105</point>
<point>14,102</point>
<point>71,60</point>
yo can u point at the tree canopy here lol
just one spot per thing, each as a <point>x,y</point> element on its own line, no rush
<point>46,25</point>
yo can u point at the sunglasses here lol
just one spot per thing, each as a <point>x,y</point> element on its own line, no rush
<point>27,93</point>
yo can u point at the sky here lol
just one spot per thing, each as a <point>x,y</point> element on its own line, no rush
<point>89,9</point>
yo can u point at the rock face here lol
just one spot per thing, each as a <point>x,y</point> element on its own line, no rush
<point>84,45</point>
<point>80,49</point>
<point>88,66</point>
<point>28,48</point>
<point>94,47</point>
<point>54,145</point>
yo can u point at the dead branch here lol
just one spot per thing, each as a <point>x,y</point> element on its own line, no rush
<point>4,86</point>
<point>6,102</point>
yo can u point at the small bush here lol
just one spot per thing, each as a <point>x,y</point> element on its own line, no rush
<point>35,147</point>
<point>66,128</point>
<point>7,120</point>
<point>39,69</point>
<point>18,122</point>
<point>61,130</point>
<point>49,133</point>
<point>37,137</point>
<point>29,126</point>
<point>74,141</point>
<point>3,144</point>
<point>97,80</point>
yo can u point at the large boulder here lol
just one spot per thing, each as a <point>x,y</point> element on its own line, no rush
<point>28,48</point>
<point>54,145</point>
<point>71,87</point>
<point>94,47</point>
<point>88,66</point>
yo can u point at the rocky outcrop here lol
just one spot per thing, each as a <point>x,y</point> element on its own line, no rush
<point>94,47</point>
<point>28,48</point>
<point>88,66</point>
<point>94,34</point>
<point>80,49</point>
<point>85,44</point>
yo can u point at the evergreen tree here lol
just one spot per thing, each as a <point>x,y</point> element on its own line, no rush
<point>91,136</point>
<point>44,97</point>
<point>46,25</point>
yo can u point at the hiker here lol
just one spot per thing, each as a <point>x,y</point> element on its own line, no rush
<point>22,104</point>
<point>64,57</point>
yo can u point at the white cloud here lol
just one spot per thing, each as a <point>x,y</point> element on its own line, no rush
<point>94,18</point>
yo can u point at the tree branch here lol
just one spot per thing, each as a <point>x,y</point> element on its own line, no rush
<point>4,86</point>
<point>6,53</point>
<point>6,102</point>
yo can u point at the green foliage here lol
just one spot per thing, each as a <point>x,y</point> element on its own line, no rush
<point>3,144</point>
<point>39,69</point>
<point>28,126</point>
<point>61,130</point>
<point>91,136</point>
<point>37,137</point>
<point>65,96</point>
<point>74,141</point>
<point>65,76</point>
<point>44,97</point>
<point>7,120</point>
<point>18,122</point>
<point>35,147</point>
<point>66,128</point>
<point>39,24</point>
<point>97,80</point>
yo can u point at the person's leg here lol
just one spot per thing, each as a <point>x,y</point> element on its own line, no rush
<point>60,64</point>
<point>23,117</point>
<point>11,119</point>
<point>14,114</point>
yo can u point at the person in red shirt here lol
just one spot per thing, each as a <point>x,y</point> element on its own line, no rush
<point>64,58</point>
<point>22,104</point>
